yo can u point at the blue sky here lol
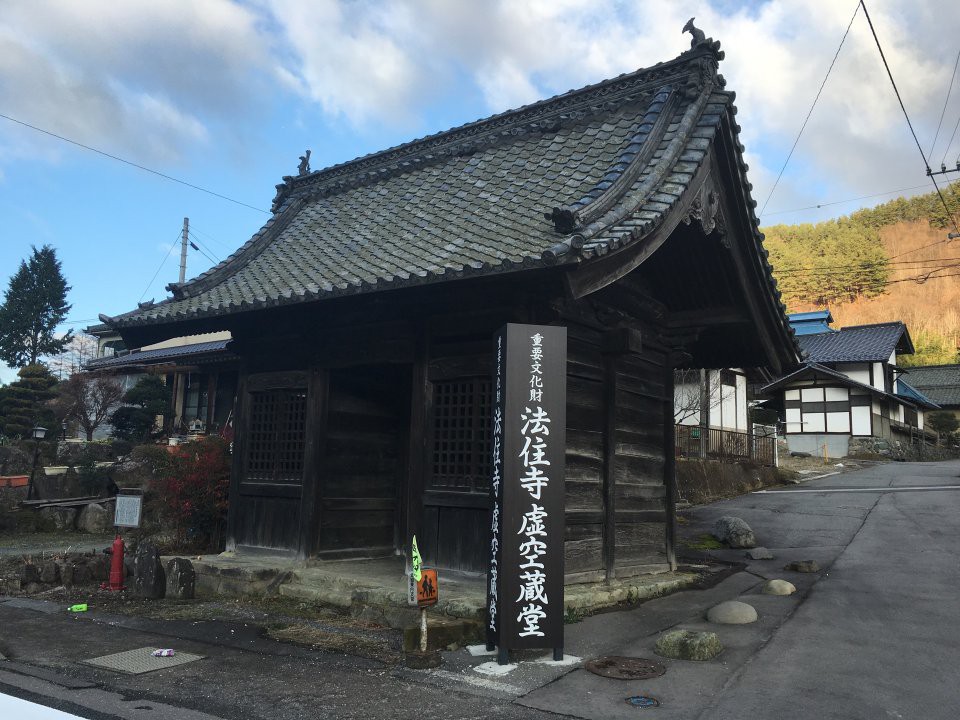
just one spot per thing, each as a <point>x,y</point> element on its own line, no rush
<point>226,95</point>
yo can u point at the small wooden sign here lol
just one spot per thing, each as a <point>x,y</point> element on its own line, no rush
<point>428,588</point>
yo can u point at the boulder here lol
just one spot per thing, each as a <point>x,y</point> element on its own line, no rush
<point>181,579</point>
<point>688,645</point>
<point>60,518</point>
<point>29,573</point>
<point>99,567</point>
<point>49,573</point>
<point>81,573</point>
<point>95,519</point>
<point>149,579</point>
<point>803,566</point>
<point>732,612</point>
<point>734,532</point>
<point>759,553</point>
<point>778,587</point>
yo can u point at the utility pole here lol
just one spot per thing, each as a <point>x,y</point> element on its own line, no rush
<point>183,249</point>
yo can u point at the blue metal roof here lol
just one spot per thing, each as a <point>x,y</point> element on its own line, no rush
<point>811,323</point>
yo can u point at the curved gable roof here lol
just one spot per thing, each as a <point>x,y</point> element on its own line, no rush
<point>560,182</point>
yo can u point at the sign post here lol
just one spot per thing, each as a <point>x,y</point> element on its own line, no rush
<point>525,580</point>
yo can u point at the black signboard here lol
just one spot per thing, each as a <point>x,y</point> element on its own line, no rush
<point>525,581</point>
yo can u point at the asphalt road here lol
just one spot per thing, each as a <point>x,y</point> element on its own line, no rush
<point>873,635</point>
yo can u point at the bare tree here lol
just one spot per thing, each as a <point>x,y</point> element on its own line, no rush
<point>87,399</point>
<point>80,350</point>
<point>693,393</point>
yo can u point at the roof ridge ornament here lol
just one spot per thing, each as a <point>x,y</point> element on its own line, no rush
<point>701,40</point>
<point>304,167</point>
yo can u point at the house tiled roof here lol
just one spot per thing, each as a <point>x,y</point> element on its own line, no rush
<point>556,183</point>
<point>812,369</point>
<point>858,343</point>
<point>940,383</point>
<point>159,355</point>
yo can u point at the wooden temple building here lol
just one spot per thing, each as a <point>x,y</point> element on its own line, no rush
<point>363,313</point>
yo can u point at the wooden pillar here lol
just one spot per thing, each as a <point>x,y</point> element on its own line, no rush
<point>417,456</point>
<point>670,462</point>
<point>311,494</point>
<point>211,399</point>
<point>240,418</point>
<point>609,466</point>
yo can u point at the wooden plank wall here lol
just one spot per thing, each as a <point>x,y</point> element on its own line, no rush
<point>583,549</point>
<point>616,520</point>
<point>363,459</point>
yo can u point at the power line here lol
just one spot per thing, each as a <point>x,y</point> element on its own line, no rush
<point>952,136</point>
<point>794,147</point>
<point>840,269</point>
<point>944,111</point>
<point>210,237</point>
<point>132,164</point>
<point>205,246</point>
<point>841,202</point>
<point>197,248</point>
<point>905,114</point>
<point>165,258</point>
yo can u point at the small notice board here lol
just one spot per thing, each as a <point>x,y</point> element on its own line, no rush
<point>128,511</point>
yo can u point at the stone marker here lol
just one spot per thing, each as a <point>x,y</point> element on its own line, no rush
<point>149,580</point>
<point>735,532</point>
<point>759,553</point>
<point>802,566</point>
<point>29,573</point>
<point>688,645</point>
<point>181,579</point>
<point>778,587</point>
<point>732,612</point>
<point>94,518</point>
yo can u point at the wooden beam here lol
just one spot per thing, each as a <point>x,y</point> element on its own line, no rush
<point>707,317</point>
<point>598,273</point>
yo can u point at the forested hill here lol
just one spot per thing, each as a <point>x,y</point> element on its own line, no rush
<point>890,262</point>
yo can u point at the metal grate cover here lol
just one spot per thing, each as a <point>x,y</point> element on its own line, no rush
<point>141,660</point>
<point>625,668</point>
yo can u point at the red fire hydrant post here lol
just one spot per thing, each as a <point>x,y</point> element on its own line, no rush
<point>116,565</point>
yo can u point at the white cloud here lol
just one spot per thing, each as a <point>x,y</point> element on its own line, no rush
<point>142,78</point>
<point>158,78</point>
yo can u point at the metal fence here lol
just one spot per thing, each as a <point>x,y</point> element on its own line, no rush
<point>693,441</point>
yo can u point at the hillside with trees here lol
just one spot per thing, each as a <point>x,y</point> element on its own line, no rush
<point>890,262</point>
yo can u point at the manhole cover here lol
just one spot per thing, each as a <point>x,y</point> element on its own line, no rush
<point>643,701</point>
<point>625,668</point>
<point>142,660</point>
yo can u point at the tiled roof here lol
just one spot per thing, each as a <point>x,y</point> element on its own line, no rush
<point>558,182</point>
<point>940,383</point>
<point>152,357</point>
<point>813,369</point>
<point>858,343</point>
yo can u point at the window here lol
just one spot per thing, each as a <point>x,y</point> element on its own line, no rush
<point>275,441</point>
<point>461,435</point>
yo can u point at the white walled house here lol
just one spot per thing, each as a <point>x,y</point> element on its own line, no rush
<point>850,387</point>
<point>711,398</point>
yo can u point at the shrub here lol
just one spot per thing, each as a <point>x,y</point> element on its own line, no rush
<point>190,491</point>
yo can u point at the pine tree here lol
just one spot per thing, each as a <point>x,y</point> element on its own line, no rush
<point>25,402</point>
<point>33,305</point>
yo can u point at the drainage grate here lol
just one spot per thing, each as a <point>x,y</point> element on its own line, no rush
<point>643,701</point>
<point>141,660</point>
<point>625,668</point>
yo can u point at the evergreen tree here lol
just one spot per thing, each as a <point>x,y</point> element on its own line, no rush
<point>142,404</point>
<point>33,305</point>
<point>25,402</point>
